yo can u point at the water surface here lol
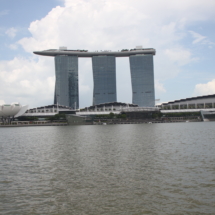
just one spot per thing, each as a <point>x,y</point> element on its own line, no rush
<point>112,169</point>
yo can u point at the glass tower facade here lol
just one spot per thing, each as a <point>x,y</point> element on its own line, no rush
<point>66,85</point>
<point>142,80</point>
<point>104,77</point>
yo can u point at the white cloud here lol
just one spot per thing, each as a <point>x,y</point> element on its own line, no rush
<point>13,46</point>
<point>27,81</point>
<point>198,38</point>
<point>110,24</point>
<point>2,102</point>
<point>205,89</point>
<point>11,32</point>
<point>102,24</point>
<point>179,56</point>
<point>159,88</point>
<point>4,12</point>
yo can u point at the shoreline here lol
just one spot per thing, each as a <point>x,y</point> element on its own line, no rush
<point>100,123</point>
<point>26,125</point>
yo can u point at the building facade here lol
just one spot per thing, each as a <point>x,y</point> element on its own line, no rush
<point>193,103</point>
<point>66,85</point>
<point>142,80</point>
<point>104,77</point>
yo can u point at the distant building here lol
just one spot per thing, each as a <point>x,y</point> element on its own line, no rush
<point>109,107</point>
<point>104,75</point>
<point>73,119</point>
<point>49,110</point>
<point>208,115</point>
<point>9,111</point>
<point>194,103</point>
<point>115,108</point>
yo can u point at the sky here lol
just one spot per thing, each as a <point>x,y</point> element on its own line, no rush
<point>182,32</point>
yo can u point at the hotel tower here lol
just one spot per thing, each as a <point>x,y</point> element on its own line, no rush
<point>104,75</point>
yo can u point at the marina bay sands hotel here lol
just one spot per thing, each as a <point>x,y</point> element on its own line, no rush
<point>104,75</point>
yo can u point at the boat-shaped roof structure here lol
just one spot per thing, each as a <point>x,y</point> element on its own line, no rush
<point>85,53</point>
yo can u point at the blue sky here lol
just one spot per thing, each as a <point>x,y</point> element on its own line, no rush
<point>182,32</point>
<point>18,14</point>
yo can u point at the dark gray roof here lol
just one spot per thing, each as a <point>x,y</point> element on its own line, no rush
<point>190,99</point>
<point>110,104</point>
<point>52,106</point>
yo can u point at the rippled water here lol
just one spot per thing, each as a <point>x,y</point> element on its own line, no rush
<point>112,169</point>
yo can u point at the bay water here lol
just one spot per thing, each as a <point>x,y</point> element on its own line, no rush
<point>108,169</point>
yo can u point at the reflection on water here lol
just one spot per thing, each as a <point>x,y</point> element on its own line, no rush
<point>113,169</point>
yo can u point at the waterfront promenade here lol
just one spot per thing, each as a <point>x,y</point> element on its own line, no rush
<point>34,123</point>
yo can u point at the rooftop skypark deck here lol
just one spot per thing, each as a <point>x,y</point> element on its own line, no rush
<point>85,53</point>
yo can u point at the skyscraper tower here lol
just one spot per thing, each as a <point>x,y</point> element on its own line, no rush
<point>66,85</point>
<point>142,80</point>
<point>104,77</point>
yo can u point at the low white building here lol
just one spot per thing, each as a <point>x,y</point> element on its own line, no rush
<point>195,103</point>
<point>10,111</point>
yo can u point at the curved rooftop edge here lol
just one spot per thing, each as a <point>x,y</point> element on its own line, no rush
<point>212,96</point>
<point>79,53</point>
<point>12,110</point>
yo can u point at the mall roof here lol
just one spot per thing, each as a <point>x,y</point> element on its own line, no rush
<point>190,99</point>
<point>110,104</point>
